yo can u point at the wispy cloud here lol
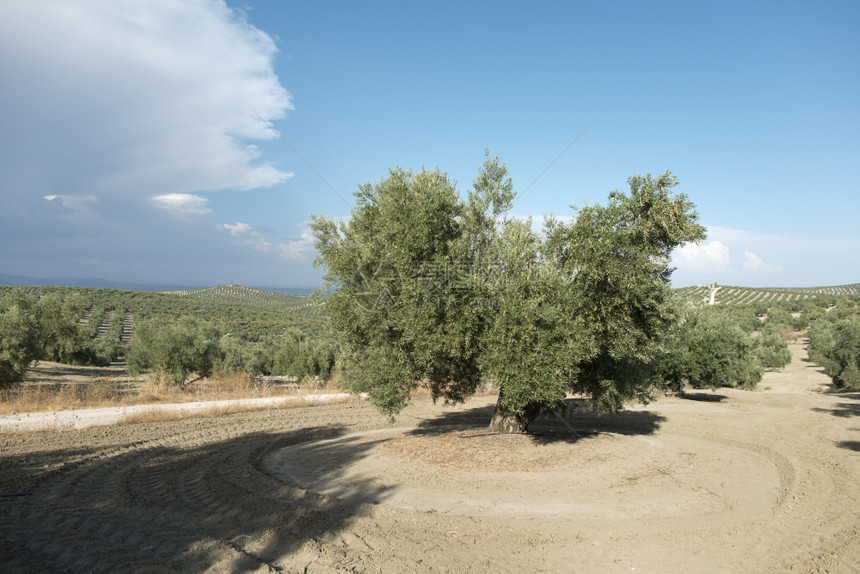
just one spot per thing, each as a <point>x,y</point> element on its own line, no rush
<point>741,257</point>
<point>708,257</point>
<point>247,235</point>
<point>73,202</point>
<point>181,205</point>
<point>754,263</point>
<point>298,249</point>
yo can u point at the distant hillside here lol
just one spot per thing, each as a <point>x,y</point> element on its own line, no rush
<point>241,295</point>
<point>95,282</point>
<point>99,283</point>
<point>729,294</point>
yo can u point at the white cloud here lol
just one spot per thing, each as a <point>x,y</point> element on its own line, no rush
<point>122,97</point>
<point>181,205</point>
<point>238,229</point>
<point>298,249</point>
<point>73,202</point>
<point>247,235</point>
<point>768,260</point>
<point>710,257</point>
<point>754,263</point>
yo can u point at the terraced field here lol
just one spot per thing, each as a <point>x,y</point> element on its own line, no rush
<point>732,295</point>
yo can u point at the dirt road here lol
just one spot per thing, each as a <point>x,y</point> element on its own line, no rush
<point>732,481</point>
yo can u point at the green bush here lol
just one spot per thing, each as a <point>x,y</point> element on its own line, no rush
<point>835,345</point>
<point>20,336</point>
<point>772,348</point>
<point>189,345</point>
<point>708,350</point>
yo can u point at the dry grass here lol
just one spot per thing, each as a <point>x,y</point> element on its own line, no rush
<point>158,415</point>
<point>59,396</point>
<point>56,388</point>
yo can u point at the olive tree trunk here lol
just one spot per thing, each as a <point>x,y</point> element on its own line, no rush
<point>507,421</point>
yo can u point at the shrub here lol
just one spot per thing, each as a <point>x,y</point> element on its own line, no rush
<point>772,348</point>
<point>836,347</point>
<point>708,350</point>
<point>189,345</point>
<point>20,337</point>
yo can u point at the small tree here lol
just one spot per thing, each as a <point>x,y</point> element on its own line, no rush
<point>708,350</point>
<point>62,339</point>
<point>187,346</point>
<point>836,347</point>
<point>20,336</point>
<point>772,348</point>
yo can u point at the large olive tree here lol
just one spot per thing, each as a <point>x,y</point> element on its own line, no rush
<point>429,288</point>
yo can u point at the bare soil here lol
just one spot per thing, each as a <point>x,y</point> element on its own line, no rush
<point>732,481</point>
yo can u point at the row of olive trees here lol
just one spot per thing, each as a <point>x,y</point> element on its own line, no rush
<point>191,345</point>
<point>47,328</point>
<point>834,343</point>
<point>716,347</point>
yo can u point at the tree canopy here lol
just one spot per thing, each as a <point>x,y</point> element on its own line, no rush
<point>433,289</point>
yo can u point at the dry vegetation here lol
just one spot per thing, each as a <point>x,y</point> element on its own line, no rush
<point>55,387</point>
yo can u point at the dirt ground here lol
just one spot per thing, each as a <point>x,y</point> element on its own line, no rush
<point>732,481</point>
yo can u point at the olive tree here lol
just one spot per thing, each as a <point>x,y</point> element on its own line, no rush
<point>835,345</point>
<point>20,336</point>
<point>707,349</point>
<point>433,289</point>
<point>406,306</point>
<point>188,345</point>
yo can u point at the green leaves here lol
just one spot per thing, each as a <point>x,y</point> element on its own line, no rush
<point>188,345</point>
<point>708,349</point>
<point>835,345</point>
<point>431,288</point>
<point>20,337</point>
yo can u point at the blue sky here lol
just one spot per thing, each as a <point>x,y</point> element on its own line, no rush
<point>132,145</point>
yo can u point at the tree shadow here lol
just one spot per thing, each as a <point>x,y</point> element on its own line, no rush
<point>573,421</point>
<point>459,420</point>
<point>577,420</point>
<point>844,410</point>
<point>170,508</point>
<point>849,444</point>
<point>707,397</point>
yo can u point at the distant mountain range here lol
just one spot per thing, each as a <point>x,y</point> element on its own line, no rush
<point>128,286</point>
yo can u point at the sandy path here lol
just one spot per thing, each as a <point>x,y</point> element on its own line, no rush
<point>721,482</point>
<point>83,418</point>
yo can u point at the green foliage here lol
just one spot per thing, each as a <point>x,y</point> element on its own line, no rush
<point>75,323</point>
<point>398,313</point>
<point>706,349</point>
<point>606,299</point>
<point>772,348</point>
<point>61,335</point>
<point>744,316</point>
<point>297,355</point>
<point>835,345</point>
<point>778,317</point>
<point>432,288</point>
<point>20,336</point>
<point>189,345</point>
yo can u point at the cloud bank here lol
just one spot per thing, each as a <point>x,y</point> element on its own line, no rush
<point>130,98</point>
<point>121,119</point>
<point>739,257</point>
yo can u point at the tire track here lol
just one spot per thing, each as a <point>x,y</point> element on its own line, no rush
<point>174,501</point>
